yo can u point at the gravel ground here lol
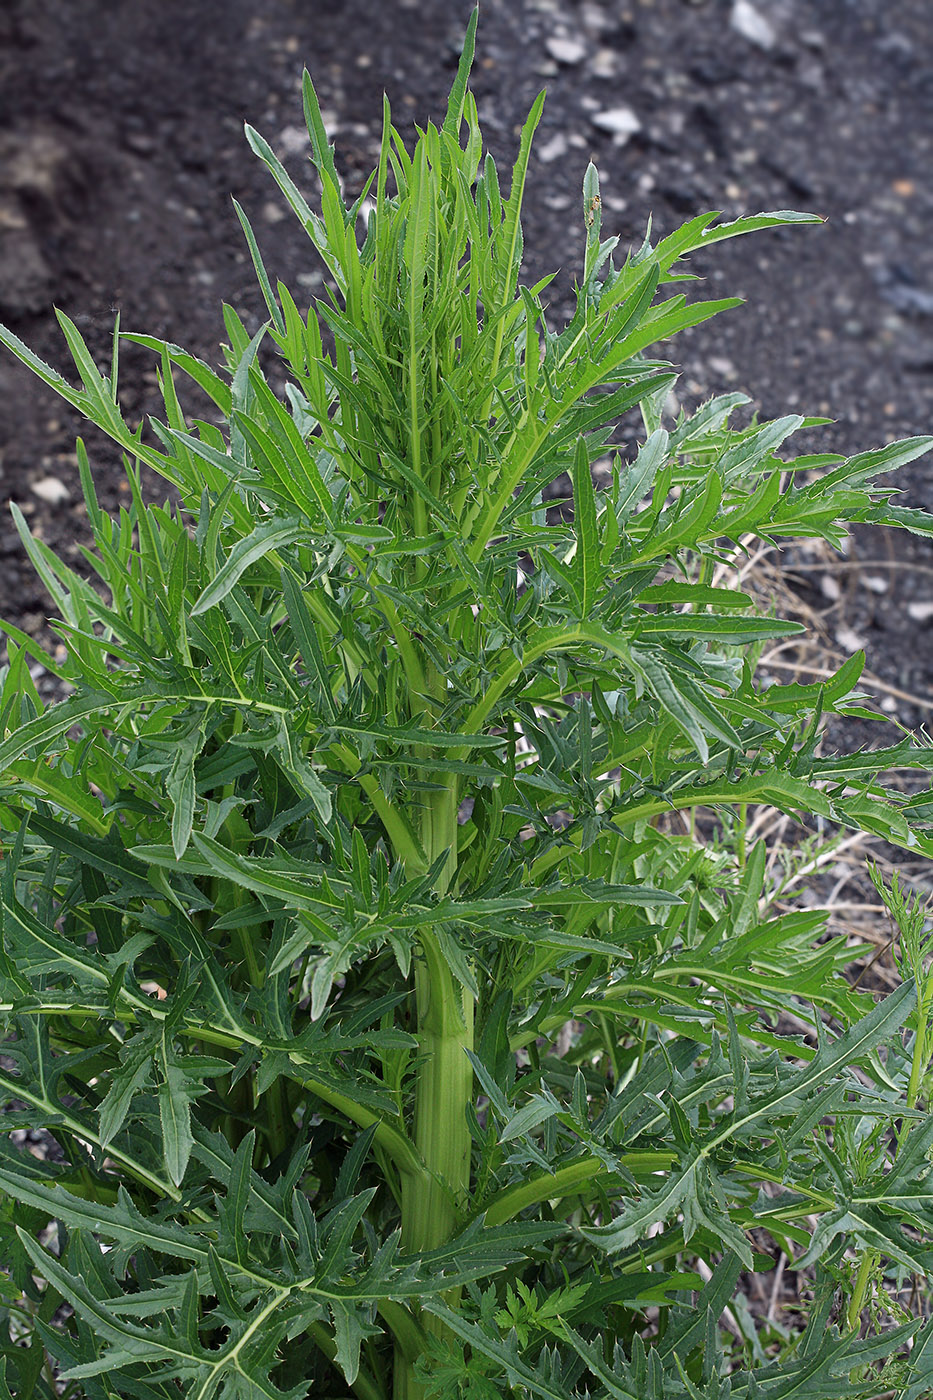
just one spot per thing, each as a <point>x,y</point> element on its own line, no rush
<point>121,142</point>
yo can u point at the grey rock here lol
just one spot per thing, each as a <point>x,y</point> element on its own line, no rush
<point>899,287</point>
<point>913,301</point>
<point>712,70</point>
<point>140,143</point>
<point>752,25</point>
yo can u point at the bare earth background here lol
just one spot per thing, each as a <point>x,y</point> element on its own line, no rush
<point>121,143</point>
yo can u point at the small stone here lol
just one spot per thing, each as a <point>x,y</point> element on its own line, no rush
<point>904,188</point>
<point>292,141</point>
<point>140,142</point>
<point>553,149</point>
<point>874,583</point>
<point>12,216</point>
<point>850,640</point>
<point>603,64</point>
<point>594,16</point>
<point>566,50</point>
<point>711,70</point>
<point>889,705</point>
<point>272,213</point>
<point>897,44</point>
<point>829,587</point>
<point>912,301</point>
<point>722,366</point>
<point>752,25</point>
<point>49,488</point>
<point>621,122</point>
<point>921,612</point>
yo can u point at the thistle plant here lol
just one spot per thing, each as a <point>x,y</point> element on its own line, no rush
<point>391,1032</point>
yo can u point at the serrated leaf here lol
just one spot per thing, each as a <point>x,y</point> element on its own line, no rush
<point>174,1094</point>
<point>126,1080</point>
<point>255,546</point>
<point>180,786</point>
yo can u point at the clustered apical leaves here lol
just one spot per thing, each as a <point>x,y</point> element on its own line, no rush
<point>390,1030</point>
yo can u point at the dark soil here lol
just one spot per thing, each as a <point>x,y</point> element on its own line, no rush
<point>121,143</point>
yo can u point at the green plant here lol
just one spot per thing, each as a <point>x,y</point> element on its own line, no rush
<point>358,803</point>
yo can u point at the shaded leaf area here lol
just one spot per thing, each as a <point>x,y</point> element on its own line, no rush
<point>371,781</point>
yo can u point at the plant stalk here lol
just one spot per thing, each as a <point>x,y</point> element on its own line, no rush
<point>865,1270</point>
<point>431,1207</point>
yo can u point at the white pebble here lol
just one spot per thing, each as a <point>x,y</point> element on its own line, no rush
<point>850,640</point>
<point>874,583</point>
<point>50,489</point>
<point>920,612</point>
<point>621,121</point>
<point>752,25</point>
<point>292,141</point>
<point>555,148</point>
<point>566,50</point>
<point>604,63</point>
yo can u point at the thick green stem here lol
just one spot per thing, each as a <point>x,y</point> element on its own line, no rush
<point>865,1270</point>
<point>442,1136</point>
<point>431,1207</point>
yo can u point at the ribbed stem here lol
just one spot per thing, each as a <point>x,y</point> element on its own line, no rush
<point>444,1089</point>
<point>854,1311</point>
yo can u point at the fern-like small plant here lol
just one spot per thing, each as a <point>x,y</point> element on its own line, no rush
<point>388,1036</point>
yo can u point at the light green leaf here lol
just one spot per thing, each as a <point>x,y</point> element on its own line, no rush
<point>729,630</point>
<point>263,540</point>
<point>180,786</point>
<point>174,1108</point>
